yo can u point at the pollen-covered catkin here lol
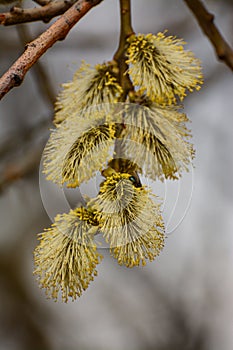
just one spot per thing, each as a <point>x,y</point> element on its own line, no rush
<point>90,86</point>
<point>66,258</point>
<point>130,221</point>
<point>160,66</point>
<point>157,140</point>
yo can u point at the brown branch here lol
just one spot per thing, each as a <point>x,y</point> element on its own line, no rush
<point>206,22</point>
<point>34,50</point>
<point>45,13</point>
<point>21,168</point>
<point>22,139</point>
<point>20,154</point>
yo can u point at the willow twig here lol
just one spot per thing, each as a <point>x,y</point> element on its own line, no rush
<point>34,50</point>
<point>45,13</point>
<point>120,58</point>
<point>206,22</point>
<point>42,2</point>
<point>120,55</point>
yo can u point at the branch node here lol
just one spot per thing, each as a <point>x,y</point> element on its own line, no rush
<point>210,17</point>
<point>17,79</point>
<point>32,44</point>
<point>77,7</point>
<point>222,55</point>
<point>46,19</point>
<point>16,10</point>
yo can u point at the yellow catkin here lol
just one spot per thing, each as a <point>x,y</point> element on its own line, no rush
<point>157,140</point>
<point>161,67</point>
<point>130,221</point>
<point>66,258</point>
<point>83,152</point>
<point>90,86</point>
<point>80,146</point>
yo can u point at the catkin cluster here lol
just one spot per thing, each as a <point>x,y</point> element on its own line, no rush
<point>95,132</point>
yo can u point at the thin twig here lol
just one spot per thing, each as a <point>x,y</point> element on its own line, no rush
<point>45,13</point>
<point>120,55</point>
<point>34,50</point>
<point>120,58</point>
<point>206,22</point>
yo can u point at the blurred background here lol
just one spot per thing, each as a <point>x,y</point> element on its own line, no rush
<point>182,300</point>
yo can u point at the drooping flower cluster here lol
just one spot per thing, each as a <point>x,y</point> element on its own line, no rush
<point>96,133</point>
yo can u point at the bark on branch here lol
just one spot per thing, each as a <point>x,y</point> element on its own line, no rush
<point>206,22</point>
<point>35,49</point>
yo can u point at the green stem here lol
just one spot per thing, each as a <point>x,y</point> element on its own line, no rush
<point>124,80</point>
<point>118,163</point>
<point>120,55</point>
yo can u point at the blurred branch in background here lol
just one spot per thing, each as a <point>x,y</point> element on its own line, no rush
<point>38,70</point>
<point>25,313</point>
<point>20,154</point>
<point>34,50</point>
<point>206,22</point>
<point>45,13</point>
<point>22,167</point>
<point>22,138</point>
